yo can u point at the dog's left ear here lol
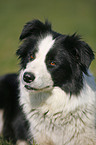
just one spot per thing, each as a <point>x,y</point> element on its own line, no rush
<point>79,51</point>
<point>34,28</point>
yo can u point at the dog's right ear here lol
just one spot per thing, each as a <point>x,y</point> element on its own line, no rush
<point>34,28</point>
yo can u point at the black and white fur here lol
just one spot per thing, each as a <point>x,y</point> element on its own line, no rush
<point>13,125</point>
<point>57,91</point>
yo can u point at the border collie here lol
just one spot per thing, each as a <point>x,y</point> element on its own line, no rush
<point>57,91</point>
<point>13,125</point>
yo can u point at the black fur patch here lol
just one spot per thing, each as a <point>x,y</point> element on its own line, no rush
<point>15,125</point>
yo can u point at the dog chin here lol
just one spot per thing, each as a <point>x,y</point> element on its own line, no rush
<point>44,89</point>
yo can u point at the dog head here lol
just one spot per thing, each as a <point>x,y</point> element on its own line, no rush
<point>50,59</point>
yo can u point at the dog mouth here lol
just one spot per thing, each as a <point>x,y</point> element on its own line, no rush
<point>35,89</point>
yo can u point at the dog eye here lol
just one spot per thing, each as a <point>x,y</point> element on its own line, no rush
<point>32,57</point>
<point>52,63</point>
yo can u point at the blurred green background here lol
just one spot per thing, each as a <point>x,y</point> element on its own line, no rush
<point>66,16</point>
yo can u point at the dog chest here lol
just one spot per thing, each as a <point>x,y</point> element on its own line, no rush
<point>57,129</point>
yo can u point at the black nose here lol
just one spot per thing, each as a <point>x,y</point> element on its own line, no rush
<point>28,77</point>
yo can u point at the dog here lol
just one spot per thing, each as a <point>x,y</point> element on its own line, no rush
<point>57,91</point>
<point>13,124</point>
<point>54,88</point>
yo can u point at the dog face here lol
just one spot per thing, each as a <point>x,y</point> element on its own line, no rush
<point>49,59</point>
<point>36,75</point>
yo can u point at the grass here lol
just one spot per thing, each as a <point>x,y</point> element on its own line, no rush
<point>4,142</point>
<point>67,16</point>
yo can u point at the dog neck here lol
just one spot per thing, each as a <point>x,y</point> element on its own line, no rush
<point>37,99</point>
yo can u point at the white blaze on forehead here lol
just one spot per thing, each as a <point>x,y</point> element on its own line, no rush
<point>44,45</point>
<point>38,65</point>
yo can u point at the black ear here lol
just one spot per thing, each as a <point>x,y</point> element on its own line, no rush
<point>34,28</point>
<point>79,51</point>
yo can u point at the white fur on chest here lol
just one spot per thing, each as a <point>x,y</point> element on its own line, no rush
<point>55,118</point>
